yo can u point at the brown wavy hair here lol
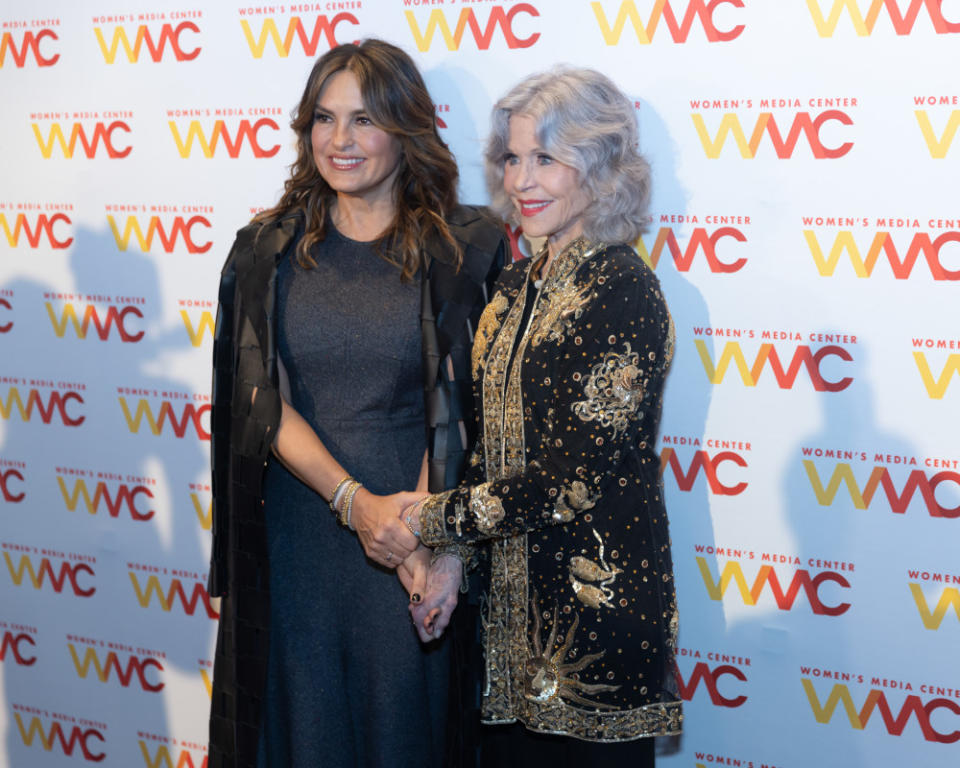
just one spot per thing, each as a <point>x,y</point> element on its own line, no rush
<point>397,101</point>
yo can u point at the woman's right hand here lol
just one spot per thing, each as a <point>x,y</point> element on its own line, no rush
<point>383,534</point>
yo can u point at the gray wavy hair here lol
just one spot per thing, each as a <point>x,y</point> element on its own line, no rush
<point>582,120</point>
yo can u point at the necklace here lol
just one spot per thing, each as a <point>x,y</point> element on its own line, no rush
<point>538,282</point>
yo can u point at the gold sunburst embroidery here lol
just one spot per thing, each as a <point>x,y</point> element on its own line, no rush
<point>548,677</point>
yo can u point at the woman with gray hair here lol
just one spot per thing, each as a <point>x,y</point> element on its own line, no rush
<point>569,361</point>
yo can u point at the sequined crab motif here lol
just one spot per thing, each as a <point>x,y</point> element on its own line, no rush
<point>598,593</point>
<point>548,678</point>
<point>614,391</point>
<point>574,499</point>
<point>486,508</point>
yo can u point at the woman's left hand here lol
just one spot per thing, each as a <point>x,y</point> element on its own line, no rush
<point>432,615</point>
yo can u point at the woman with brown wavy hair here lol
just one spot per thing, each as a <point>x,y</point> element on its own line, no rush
<point>342,344</point>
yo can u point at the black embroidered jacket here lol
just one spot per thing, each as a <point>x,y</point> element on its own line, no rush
<point>580,627</point>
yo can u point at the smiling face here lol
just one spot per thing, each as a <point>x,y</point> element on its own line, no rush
<point>547,194</point>
<point>355,157</point>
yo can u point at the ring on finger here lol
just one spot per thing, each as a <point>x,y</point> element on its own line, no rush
<point>389,556</point>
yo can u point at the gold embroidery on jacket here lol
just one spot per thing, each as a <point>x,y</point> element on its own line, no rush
<point>548,676</point>
<point>583,570</point>
<point>614,390</point>
<point>570,500</point>
<point>670,342</point>
<point>505,623</point>
<point>505,629</point>
<point>560,309</point>
<point>486,330</point>
<point>494,385</point>
<point>432,528</point>
<point>486,508</point>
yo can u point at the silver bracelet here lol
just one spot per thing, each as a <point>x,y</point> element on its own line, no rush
<point>348,503</point>
<point>337,496</point>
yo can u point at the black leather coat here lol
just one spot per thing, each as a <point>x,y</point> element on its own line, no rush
<point>243,429</point>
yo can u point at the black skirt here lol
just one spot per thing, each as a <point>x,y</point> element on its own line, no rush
<point>504,746</point>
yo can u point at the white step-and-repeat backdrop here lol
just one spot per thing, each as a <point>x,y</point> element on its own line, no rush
<point>805,226</point>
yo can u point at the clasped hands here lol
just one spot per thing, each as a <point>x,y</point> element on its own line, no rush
<point>386,539</point>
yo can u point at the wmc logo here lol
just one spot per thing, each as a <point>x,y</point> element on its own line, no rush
<point>710,759</point>
<point>30,43</point>
<point>69,572</point>
<point>938,145</point>
<point>115,316</point>
<point>949,597</point>
<point>935,383</point>
<point>174,595</point>
<point>198,330</point>
<point>898,500</point>
<point>156,43</point>
<point>783,146</point>
<point>767,576</point>
<point>180,230</point>
<point>52,738</point>
<point>700,240</point>
<point>767,356</point>
<point>323,28</point>
<point>864,24</point>
<point>876,701</point>
<point>123,498</point>
<point>135,666</point>
<point>244,132</point>
<point>12,643</point>
<point>56,404</point>
<point>664,9</point>
<point>42,227</point>
<point>204,511</point>
<point>500,17</point>
<point>92,140</point>
<point>10,480</point>
<point>163,757</point>
<point>709,464</point>
<point>189,415</point>
<point>7,326</point>
<point>710,679</point>
<point>206,676</point>
<point>901,267</point>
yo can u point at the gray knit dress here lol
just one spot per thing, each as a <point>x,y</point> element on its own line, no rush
<point>348,683</point>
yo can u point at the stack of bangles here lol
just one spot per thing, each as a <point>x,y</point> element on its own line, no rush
<point>341,501</point>
<point>408,518</point>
